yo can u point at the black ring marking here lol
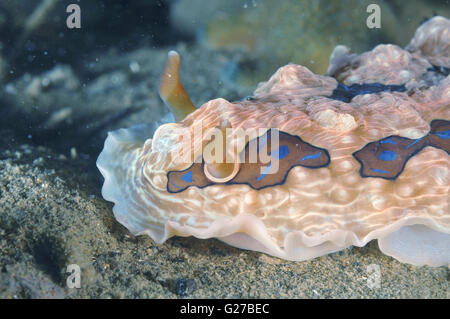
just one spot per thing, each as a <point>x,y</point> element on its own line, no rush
<point>377,158</point>
<point>292,152</point>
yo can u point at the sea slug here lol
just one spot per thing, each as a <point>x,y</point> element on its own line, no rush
<point>309,165</point>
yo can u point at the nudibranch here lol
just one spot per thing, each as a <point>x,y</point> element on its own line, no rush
<point>309,165</point>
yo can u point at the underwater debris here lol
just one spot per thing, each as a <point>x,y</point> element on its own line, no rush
<point>36,19</point>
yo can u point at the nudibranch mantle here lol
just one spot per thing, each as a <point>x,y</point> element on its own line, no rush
<point>395,122</point>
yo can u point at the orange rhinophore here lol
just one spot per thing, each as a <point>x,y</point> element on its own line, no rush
<point>172,91</point>
<point>310,165</point>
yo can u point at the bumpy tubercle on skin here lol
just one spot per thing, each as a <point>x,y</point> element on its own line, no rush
<point>318,201</point>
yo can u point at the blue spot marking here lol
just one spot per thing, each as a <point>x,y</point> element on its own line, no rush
<point>387,141</point>
<point>187,177</point>
<point>175,185</point>
<point>443,134</point>
<point>281,152</point>
<point>263,174</point>
<point>387,156</point>
<point>312,156</point>
<point>382,171</point>
<point>415,142</point>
